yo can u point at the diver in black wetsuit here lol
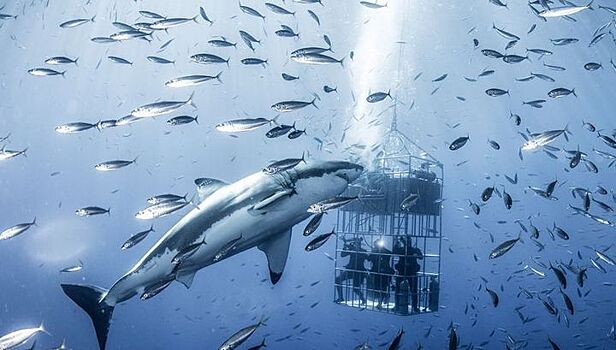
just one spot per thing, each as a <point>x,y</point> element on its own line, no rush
<point>407,267</point>
<point>381,272</point>
<point>354,270</point>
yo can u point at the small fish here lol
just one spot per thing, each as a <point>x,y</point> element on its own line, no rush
<point>92,210</point>
<point>503,248</point>
<point>156,288</point>
<point>204,16</point>
<point>289,77</point>
<point>543,77</point>
<point>279,130</point>
<point>514,58</point>
<point>315,58</point>
<point>19,337</point>
<point>313,224</point>
<point>161,108</point>
<point>183,119</point>
<point>493,297</point>
<point>136,238</point>
<point>206,58</point>
<point>185,253</point>
<point>240,125</point>
<point>253,61</point>
<point>495,92</point>
<point>288,106</point>
<point>318,241</point>
<point>494,144</point>
<point>60,60</point>
<point>563,11</point>
<point>119,60</point>
<point>296,133</point>
<point>458,143</point>
<point>160,210</point>
<point>160,60</point>
<point>169,23</point>
<point>487,193</point>
<point>505,34</point>
<point>592,66</point>
<point>560,275</point>
<point>492,53</point>
<point>114,164</point>
<point>560,92</point>
<point>76,22</point>
<point>330,204</point>
<point>45,72</point>
<point>564,41</point>
<point>283,165</point>
<point>191,80</point>
<point>251,11</point>
<point>440,78</point>
<point>372,5</point>
<point>16,230</point>
<point>227,248</point>
<point>378,96</point>
<point>409,202</point>
<point>72,128</point>
<point>241,336</point>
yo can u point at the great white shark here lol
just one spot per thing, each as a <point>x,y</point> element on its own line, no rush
<point>257,211</point>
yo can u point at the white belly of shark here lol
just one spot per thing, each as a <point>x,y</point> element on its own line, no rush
<point>257,211</point>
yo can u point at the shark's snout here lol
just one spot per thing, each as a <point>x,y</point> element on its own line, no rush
<point>348,171</point>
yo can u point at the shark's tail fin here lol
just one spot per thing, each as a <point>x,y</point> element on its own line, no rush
<point>89,298</point>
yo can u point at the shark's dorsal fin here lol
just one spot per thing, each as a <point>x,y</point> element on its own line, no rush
<point>186,278</point>
<point>276,249</point>
<point>206,186</point>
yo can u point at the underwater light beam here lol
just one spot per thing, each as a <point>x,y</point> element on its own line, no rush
<point>377,49</point>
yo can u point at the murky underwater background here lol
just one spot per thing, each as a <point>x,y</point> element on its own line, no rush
<point>436,38</point>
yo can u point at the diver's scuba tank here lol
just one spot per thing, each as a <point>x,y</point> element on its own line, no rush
<point>402,302</point>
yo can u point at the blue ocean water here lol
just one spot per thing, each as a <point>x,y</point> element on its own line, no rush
<point>403,47</point>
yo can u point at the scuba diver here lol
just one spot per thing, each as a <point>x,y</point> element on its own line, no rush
<point>407,268</point>
<point>354,269</point>
<point>433,294</point>
<point>381,272</point>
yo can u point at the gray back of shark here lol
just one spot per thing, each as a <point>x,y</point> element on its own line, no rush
<point>257,211</point>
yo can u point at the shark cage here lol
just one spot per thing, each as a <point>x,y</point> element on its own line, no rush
<point>389,240</point>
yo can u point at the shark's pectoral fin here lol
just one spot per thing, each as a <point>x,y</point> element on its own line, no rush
<point>206,186</point>
<point>272,202</point>
<point>276,249</point>
<point>186,278</point>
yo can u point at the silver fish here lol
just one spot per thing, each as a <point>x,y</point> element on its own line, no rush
<point>89,211</point>
<point>288,106</point>
<point>503,248</point>
<point>283,165</point>
<point>160,108</point>
<point>318,241</point>
<point>72,128</point>
<point>76,22</point>
<point>563,11</point>
<point>316,58</point>
<point>239,125</point>
<point>16,230</point>
<point>136,238</point>
<point>240,336</point>
<point>160,210</point>
<point>330,204</point>
<point>191,80</point>
<point>19,337</point>
<point>114,164</point>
